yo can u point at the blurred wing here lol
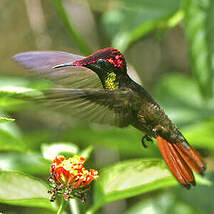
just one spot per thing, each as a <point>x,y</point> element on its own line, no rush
<point>94,105</point>
<point>42,62</point>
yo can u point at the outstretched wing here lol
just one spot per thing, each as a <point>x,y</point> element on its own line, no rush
<point>42,62</point>
<point>79,90</point>
<point>94,105</point>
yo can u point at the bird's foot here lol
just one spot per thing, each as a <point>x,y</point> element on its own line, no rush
<point>147,138</point>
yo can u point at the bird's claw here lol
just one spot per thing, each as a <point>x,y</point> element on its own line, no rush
<point>147,138</point>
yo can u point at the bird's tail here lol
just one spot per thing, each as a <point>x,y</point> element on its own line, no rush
<point>182,160</point>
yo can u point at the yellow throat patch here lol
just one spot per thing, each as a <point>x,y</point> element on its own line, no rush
<point>110,81</point>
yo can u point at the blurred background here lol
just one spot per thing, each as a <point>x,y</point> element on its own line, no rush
<point>169,47</point>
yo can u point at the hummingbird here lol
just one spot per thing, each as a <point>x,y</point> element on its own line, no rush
<point>99,88</point>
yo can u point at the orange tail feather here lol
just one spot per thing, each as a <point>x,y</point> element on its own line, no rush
<point>181,161</point>
<point>191,157</point>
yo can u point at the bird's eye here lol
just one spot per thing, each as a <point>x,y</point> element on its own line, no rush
<point>101,61</point>
<point>104,63</point>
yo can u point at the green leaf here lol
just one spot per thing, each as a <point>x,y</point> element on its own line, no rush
<point>50,151</point>
<point>6,119</point>
<point>10,142</point>
<point>210,33</point>
<point>86,152</point>
<point>200,35</point>
<point>161,204</point>
<point>202,180</point>
<point>17,88</point>
<point>30,163</point>
<point>11,90</point>
<point>177,201</point>
<point>196,197</point>
<point>13,81</point>
<point>201,134</point>
<point>12,96</point>
<point>185,105</point>
<point>11,128</point>
<point>23,190</point>
<point>131,178</point>
<point>133,19</point>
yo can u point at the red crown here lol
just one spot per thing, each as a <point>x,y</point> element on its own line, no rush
<point>110,54</point>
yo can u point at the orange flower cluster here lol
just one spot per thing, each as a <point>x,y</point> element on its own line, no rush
<point>72,172</point>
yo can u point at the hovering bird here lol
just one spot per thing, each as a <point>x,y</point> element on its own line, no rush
<point>100,90</point>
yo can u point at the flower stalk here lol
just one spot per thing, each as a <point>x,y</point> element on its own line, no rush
<point>62,205</point>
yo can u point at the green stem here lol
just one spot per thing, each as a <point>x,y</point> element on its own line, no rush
<point>83,46</point>
<point>61,206</point>
<point>74,208</point>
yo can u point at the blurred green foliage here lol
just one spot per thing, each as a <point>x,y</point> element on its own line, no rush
<point>170,44</point>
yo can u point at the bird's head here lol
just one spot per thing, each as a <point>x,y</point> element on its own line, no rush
<point>104,60</point>
<point>107,63</point>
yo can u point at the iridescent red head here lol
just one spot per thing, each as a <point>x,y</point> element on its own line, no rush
<point>112,55</point>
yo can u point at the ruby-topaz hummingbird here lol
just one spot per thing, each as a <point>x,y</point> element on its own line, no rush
<point>114,99</point>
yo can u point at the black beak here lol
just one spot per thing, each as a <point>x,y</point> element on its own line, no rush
<point>93,67</point>
<point>63,65</point>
